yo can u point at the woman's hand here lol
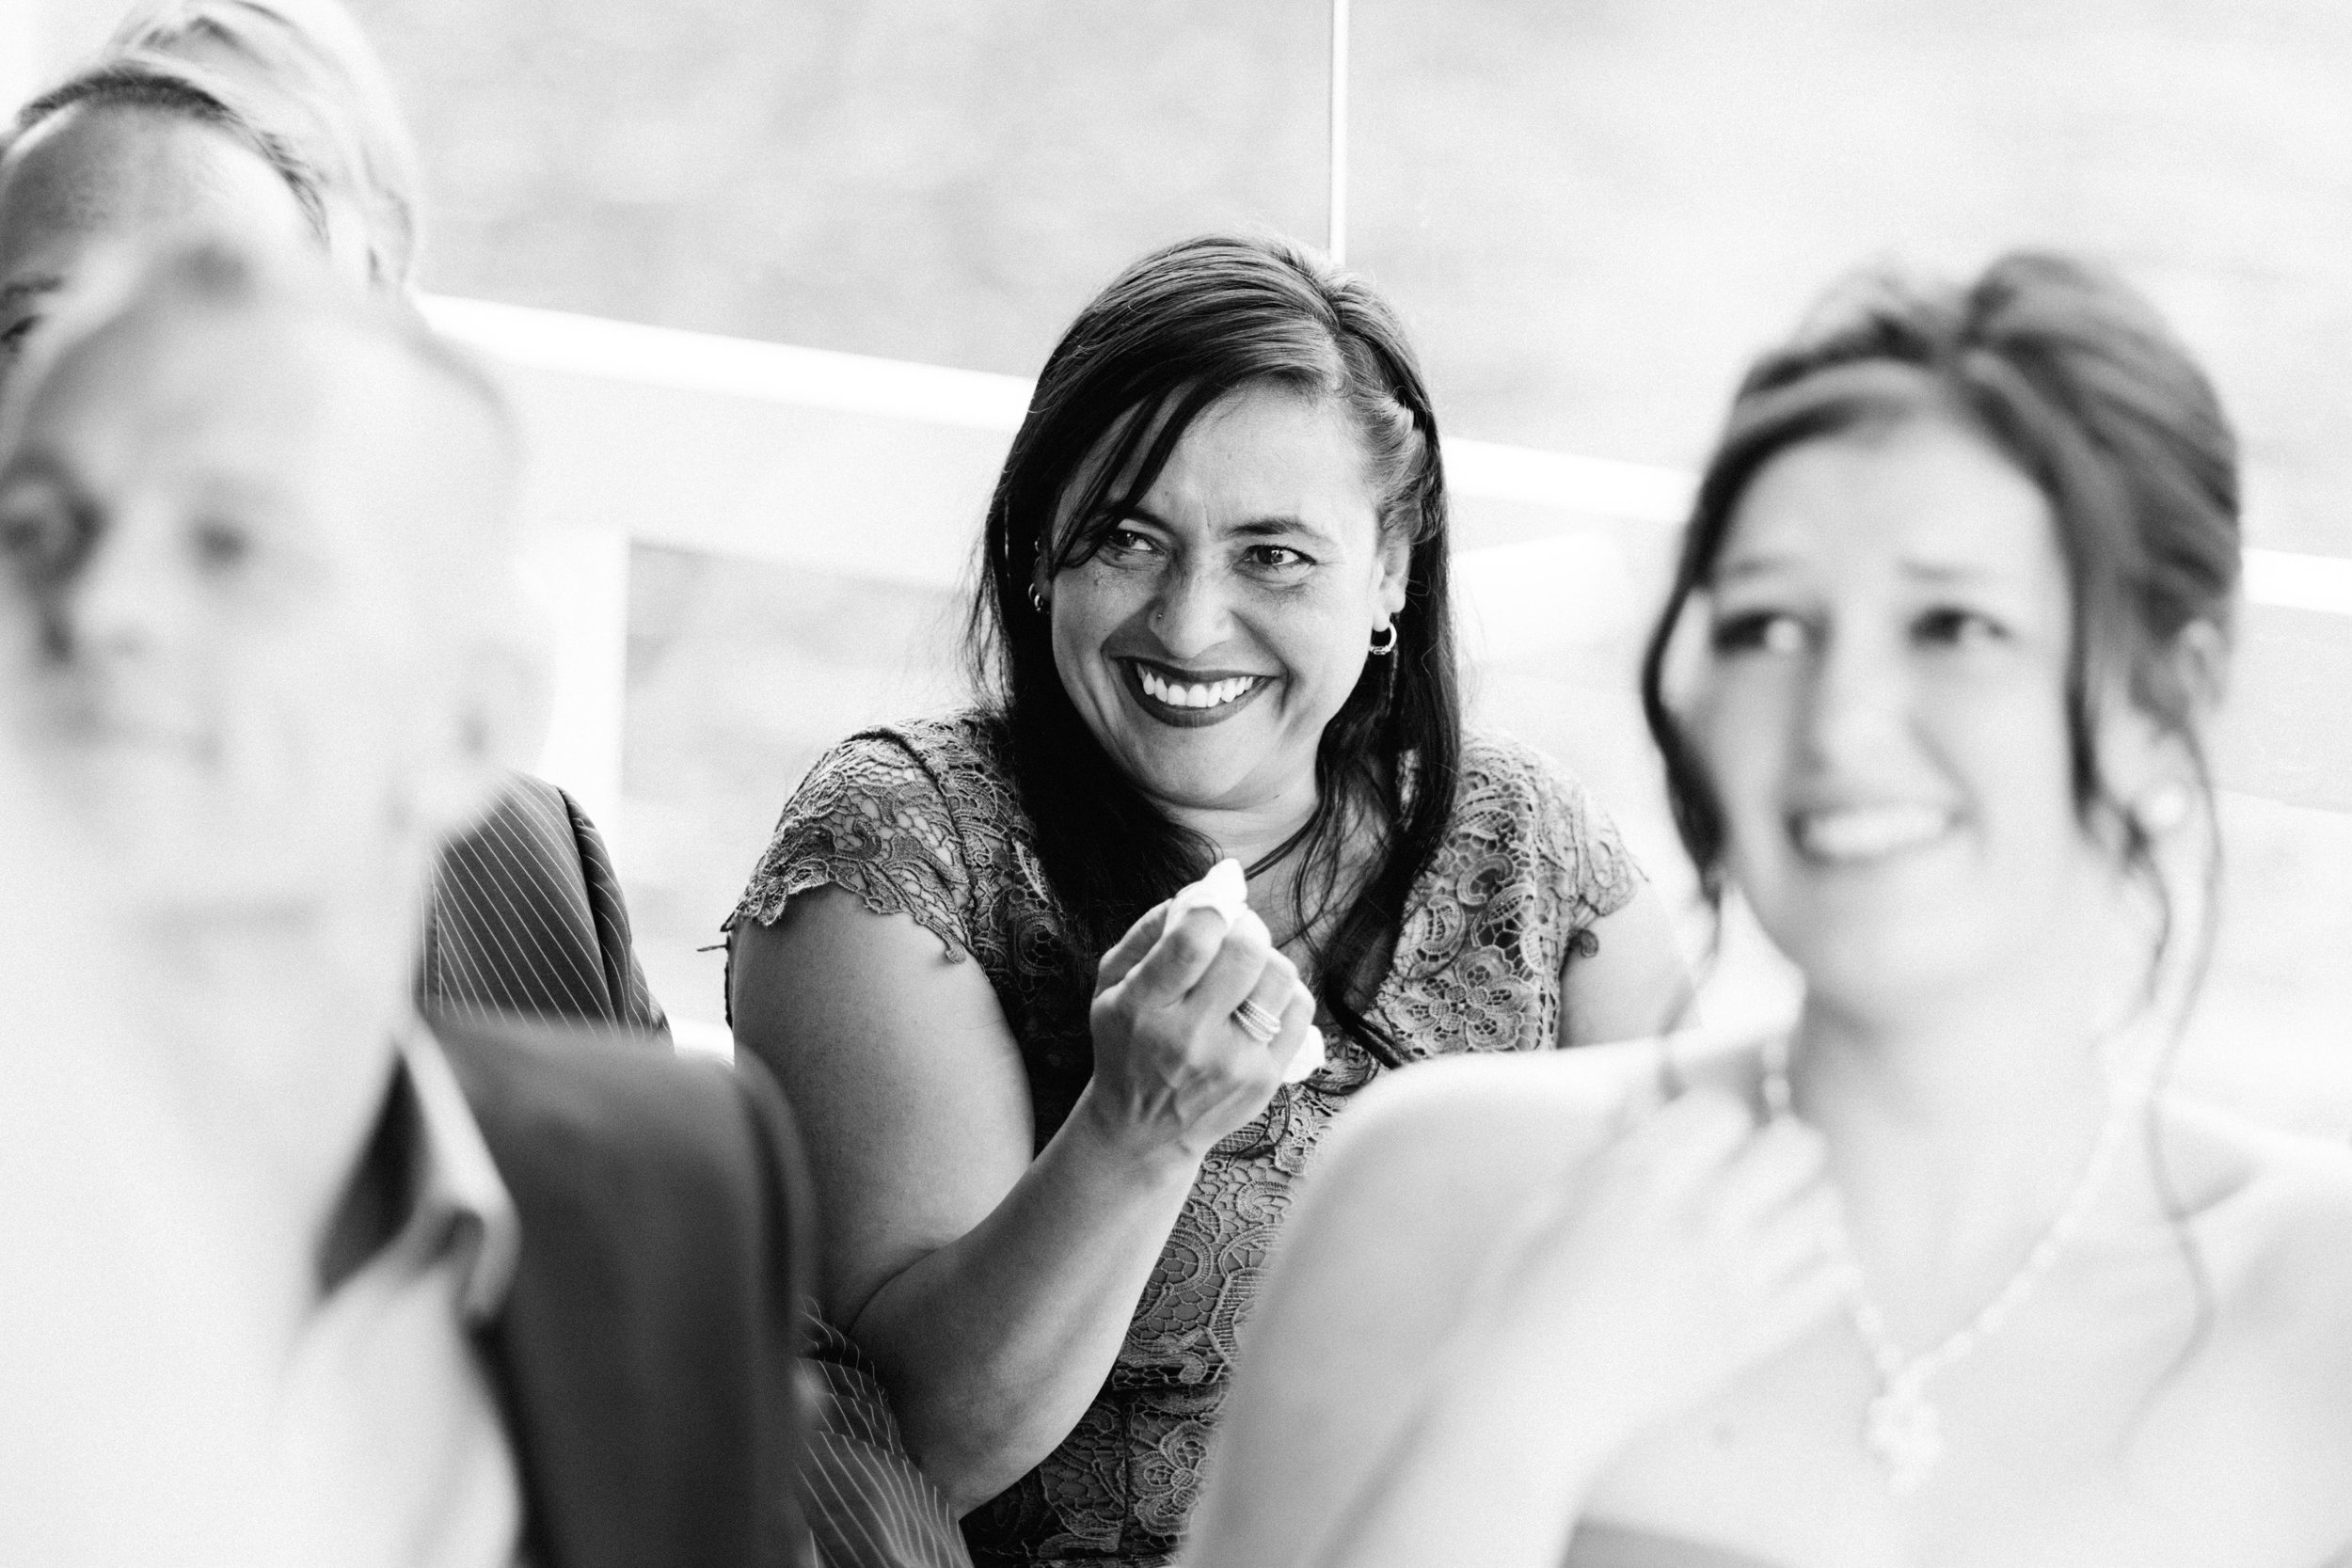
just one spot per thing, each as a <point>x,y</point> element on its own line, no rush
<point>1174,1070</point>
<point>1693,1248</point>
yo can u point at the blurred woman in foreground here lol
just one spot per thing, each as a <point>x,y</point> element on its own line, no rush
<point>1216,624</point>
<point>1943,1275</point>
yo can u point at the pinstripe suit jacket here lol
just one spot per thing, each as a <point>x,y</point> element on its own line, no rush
<point>526,920</point>
<point>869,1503</point>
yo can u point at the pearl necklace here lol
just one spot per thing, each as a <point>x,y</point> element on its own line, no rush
<point>1903,1429</point>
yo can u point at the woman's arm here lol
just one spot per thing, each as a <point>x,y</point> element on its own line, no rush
<point>993,1289</point>
<point>1632,985</point>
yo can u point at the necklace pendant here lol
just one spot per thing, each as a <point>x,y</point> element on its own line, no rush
<point>1905,1435</point>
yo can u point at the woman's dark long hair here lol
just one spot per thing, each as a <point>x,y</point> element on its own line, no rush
<point>1174,333</point>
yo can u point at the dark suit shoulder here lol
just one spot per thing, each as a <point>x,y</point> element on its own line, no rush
<point>601,1087</point>
<point>647,1345</point>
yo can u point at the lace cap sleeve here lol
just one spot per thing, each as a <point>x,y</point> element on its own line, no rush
<point>1583,862</point>
<point>872,819</point>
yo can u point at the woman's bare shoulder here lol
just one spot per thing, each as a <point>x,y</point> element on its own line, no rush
<point>1453,1144</point>
<point>2242,1174</point>
<point>2272,1210</point>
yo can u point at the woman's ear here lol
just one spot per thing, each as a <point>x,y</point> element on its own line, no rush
<point>2152,768</point>
<point>1394,562</point>
<point>2201,659</point>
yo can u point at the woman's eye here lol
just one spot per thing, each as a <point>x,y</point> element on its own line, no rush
<point>1762,631</point>
<point>1950,626</point>
<point>39,539</point>
<point>12,336</point>
<point>1275,558</point>
<point>1126,541</point>
<point>220,544</point>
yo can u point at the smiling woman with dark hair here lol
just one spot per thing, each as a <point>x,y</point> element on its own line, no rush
<point>1214,625</point>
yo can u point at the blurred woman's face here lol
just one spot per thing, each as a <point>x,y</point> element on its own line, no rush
<point>99,176</point>
<point>1884,712</point>
<point>1229,613</point>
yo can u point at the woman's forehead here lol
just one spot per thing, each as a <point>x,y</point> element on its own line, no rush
<point>1924,495</point>
<point>102,172</point>
<point>1257,438</point>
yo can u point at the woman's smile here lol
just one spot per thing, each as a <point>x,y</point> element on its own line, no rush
<point>1189,699</point>
<point>1869,835</point>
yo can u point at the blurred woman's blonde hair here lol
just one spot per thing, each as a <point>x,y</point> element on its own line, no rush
<point>306,75</point>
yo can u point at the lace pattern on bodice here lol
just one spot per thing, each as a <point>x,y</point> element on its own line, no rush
<point>921,820</point>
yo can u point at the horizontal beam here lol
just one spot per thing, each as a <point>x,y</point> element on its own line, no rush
<point>943,395</point>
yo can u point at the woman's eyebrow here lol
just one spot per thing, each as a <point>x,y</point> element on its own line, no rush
<point>36,462</point>
<point>1942,572</point>
<point>1271,525</point>
<point>1282,526</point>
<point>1742,567</point>
<point>25,287</point>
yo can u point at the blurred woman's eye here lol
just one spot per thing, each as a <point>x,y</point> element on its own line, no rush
<point>12,336</point>
<point>220,544</point>
<point>40,534</point>
<point>1762,631</point>
<point>1950,626</point>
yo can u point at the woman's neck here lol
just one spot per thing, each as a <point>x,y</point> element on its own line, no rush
<point>1251,830</point>
<point>1957,1125</point>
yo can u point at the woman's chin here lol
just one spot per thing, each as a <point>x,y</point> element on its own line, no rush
<point>1867,967</point>
<point>1191,769</point>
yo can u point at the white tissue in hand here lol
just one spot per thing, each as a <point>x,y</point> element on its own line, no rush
<point>1224,890</point>
<point>1310,1057</point>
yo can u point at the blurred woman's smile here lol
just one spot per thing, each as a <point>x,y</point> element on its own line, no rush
<point>1863,834</point>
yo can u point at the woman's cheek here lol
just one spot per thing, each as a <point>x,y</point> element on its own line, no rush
<point>1317,640</point>
<point>1737,727</point>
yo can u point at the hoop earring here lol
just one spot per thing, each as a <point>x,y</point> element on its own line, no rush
<point>1037,599</point>
<point>1380,649</point>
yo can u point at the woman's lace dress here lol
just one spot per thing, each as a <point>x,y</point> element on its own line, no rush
<point>920,820</point>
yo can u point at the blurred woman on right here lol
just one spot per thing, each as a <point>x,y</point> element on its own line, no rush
<point>1942,1273</point>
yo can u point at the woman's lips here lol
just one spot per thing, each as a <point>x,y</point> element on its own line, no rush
<point>1858,835</point>
<point>1189,702</point>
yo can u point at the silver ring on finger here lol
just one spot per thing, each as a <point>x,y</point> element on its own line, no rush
<point>1257,1022</point>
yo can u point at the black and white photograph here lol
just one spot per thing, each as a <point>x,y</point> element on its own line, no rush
<point>1118,783</point>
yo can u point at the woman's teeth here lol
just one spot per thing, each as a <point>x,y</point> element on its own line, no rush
<point>1214,694</point>
<point>1867,833</point>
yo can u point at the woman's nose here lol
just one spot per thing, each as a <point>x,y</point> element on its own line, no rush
<point>1189,614</point>
<point>1857,699</point>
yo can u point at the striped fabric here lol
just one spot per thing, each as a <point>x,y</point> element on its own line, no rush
<point>869,1504</point>
<point>526,920</point>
